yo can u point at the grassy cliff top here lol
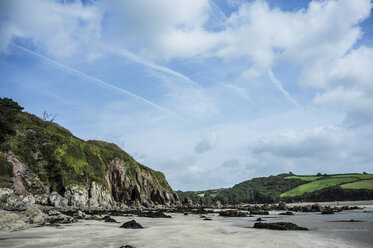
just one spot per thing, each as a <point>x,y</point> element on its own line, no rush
<point>55,155</point>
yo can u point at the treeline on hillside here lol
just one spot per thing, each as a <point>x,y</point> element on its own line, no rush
<point>334,193</point>
<point>290,188</point>
<point>259,190</point>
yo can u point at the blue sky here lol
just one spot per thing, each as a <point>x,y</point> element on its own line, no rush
<point>210,92</point>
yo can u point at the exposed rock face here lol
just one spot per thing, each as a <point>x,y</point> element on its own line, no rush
<point>141,188</point>
<point>38,157</point>
<point>77,196</point>
<point>57,200</point>
<point>25,181</point>
<point>12,199</point>
<point>123,188</point>
<point>99,197</point>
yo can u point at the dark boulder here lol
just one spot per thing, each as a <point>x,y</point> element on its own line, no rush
<point>131,224</point>
<point>109,219</point>
<point>187,201</point>
<point>151,214</point>
<point>279,226</point>
<point>259,212</point>
<point>201,211</point>
<point>287,213</point>
<point>317,208</point>
<point>260,219</point>
<point>327,211</point>
<point>282,206</point>
<point>232,213</point>
<point>127,246</point>
<point>266,207</point>
<point>207,218</point>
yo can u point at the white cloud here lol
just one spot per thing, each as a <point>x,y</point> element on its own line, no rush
<point>176,29</point>
<point>328,149</point>
<point>350,71</point>
<point>348,85</point>
<point>357,104</point>
<point>160,29</point>
<point>211,141</point>
<point>313,143</point>
<point>325,30</point>
<point>59,28</point>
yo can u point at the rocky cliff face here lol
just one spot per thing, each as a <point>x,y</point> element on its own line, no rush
<point>122,188</point>
<point>44,163</point>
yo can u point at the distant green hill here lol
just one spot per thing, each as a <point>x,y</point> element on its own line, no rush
<point>293,188</point>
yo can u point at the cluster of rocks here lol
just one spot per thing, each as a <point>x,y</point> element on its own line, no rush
<point>232,213</point>
<point>152,214</point>
<point>34,215</point>
<point>265,208</point>
<point>279,226</point>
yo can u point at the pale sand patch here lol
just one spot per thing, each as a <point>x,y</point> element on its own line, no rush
<point>192,231</point>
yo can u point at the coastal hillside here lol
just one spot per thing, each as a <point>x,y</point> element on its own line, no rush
<point>43,162</point>
<point>291,188</point>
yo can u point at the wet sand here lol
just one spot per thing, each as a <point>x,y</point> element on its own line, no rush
<point>192,231</point>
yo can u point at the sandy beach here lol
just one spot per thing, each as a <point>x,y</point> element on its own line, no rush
<point>192,231</point>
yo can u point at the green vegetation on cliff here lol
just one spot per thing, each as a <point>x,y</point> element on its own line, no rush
<point>292,188</point>
<point>56,156</point>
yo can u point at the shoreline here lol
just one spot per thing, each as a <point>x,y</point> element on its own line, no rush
<point>191,230</point>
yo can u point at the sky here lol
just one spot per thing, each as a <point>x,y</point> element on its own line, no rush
<point>210,92</point>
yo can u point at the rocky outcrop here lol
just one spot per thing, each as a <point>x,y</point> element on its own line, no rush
<point>123,187</point>
<point>44,163</point>
<point>24,180</point>
<point>279,226</point>
<point>232,213</point>
<point>12,199</point>
<point>140,188</point>
<point>153,214</point>
<point>286,213</point>
<point>132,225</point>
<point>100,197</point>
<point>107,218</point>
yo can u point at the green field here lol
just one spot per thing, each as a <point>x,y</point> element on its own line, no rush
<point>317,185</point>
<point>364,184</point>
<point>304,178</point>
<point>360,176</point>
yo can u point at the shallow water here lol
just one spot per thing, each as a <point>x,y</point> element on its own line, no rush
<point>192,231</point>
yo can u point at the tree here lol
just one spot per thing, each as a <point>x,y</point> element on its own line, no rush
<point>10,105</point>
<point>8,112</point>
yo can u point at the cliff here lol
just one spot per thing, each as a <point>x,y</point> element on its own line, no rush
<point>43,162</point>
